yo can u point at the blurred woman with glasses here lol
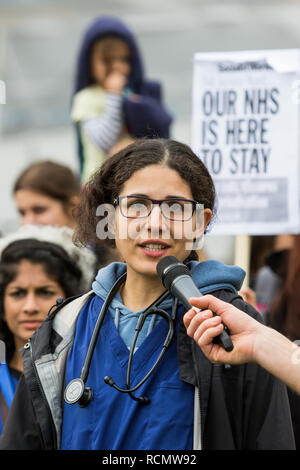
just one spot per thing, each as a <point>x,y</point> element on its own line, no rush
<point>163,201</point>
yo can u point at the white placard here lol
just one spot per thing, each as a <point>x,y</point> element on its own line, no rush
<point>245,127</point>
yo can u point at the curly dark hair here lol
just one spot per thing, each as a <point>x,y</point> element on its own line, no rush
<point>106,184</point>
<point>57,266</point>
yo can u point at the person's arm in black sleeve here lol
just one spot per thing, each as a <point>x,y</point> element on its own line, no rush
<point>267,409</point>
<point>21,430</point>
<point>266,422</point>
<point>253,341</point>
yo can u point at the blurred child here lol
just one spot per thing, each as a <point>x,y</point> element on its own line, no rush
<point>113,103</point>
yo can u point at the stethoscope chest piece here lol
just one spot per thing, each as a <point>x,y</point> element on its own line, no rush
<point>76,392</point>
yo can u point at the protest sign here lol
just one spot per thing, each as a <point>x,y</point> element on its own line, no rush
<point>245,128</point>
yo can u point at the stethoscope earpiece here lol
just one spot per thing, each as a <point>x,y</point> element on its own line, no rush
<point>59,301</point>
<point>109,381</point>
<point>142,400</point>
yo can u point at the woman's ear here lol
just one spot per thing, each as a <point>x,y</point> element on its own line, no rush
<point>207,217</point>
<point>73,201</point>
<point>195,237</point>
<point>203,217</point>
<point>70,206</point>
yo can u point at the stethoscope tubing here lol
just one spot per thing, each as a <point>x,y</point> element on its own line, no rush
<point>85,395</point>
<point>88,358</point>
<point>150,311</point>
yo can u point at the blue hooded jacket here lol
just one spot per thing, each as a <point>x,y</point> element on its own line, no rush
<point>146,117</point>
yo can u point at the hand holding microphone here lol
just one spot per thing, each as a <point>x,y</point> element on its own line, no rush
<point>176,277</point>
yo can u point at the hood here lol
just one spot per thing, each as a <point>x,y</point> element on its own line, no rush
<point>213,275</point>
<point>97,29</point>
<point>208,275</point>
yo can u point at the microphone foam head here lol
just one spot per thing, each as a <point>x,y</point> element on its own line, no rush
<point>169,268</point>
<point>164,263</point>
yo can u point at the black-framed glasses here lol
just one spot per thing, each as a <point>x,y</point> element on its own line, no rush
<point>138,207</point>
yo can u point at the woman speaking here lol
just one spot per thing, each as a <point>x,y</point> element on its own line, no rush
<point>115,368</point>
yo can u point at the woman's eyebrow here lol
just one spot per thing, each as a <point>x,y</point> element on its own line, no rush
<point>170,196</point>
<point>43,286</point>
<point>16,286</point>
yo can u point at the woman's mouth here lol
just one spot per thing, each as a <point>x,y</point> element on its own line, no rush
<point>153,250</point>
<point>31,325</point>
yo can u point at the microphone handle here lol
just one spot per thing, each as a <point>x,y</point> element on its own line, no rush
<point>188,289</point>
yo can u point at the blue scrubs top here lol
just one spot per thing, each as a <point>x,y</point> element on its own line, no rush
<point>9,379</point>
<point>112,420</point>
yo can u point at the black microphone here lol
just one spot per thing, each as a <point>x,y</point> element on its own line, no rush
<point>177,279</point>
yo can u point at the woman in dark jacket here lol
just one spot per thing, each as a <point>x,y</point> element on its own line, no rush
<point>38,264</point>
<point>154,198</point>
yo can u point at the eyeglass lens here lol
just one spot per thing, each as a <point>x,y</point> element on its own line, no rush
<point>173,209</point>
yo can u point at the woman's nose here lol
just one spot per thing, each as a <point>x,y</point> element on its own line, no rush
<point>30,304</point>
<point>116,64</point>
<point>28,218</point>
<point>155,221</point>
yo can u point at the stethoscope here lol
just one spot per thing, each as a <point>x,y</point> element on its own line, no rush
<point>77,392</point>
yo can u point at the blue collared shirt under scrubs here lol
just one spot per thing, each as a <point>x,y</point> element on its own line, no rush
<point>9,379</point>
